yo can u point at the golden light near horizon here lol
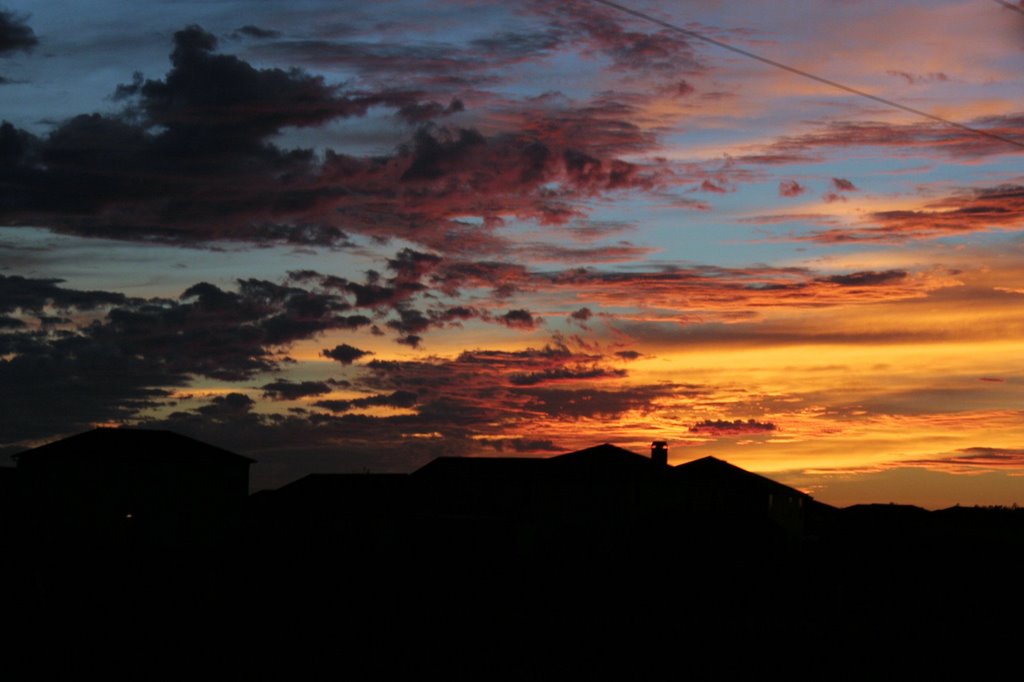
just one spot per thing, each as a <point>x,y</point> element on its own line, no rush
<point>789,236</point>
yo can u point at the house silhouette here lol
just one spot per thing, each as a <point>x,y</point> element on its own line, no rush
<point>129,488</point>
<point>602,502</point>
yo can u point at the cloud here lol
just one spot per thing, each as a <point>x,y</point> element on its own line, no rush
<point>499,380</point>
<point>602,30</point>
<point>599,403</point>
<point>737,427</point>
<point>521,445</point>
<point>843,185</point>
<point>867,278</point>
<point>256,32</point>
<point>920,78</point>
<point>290,390</point>
<point>791,188</point>
<point>15,34</point>
<point>344,353</point>
<point>580,317</point>
<point>401,399</point>
<point>977,210</point>
<point>519,319</point>
<point>974,459</point>
<point>929,139</point>
<point>565,374</point>
<point>433,406</point>
<point>36,295</point>
<point>722,291</point>
<point>195,157</point>
<point>421,112</point>
<point>217,100</point>
<point>436,64</point>
<point>128,354</point>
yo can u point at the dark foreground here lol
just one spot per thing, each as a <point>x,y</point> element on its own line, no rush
<point>863,593</point>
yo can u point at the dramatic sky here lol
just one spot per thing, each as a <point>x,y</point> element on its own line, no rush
<point>355,236</point>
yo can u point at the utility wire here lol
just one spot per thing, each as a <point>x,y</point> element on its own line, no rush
<point>811,76</point>
<point>1015,8</point>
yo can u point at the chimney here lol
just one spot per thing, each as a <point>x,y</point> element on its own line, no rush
<point>659,453</point>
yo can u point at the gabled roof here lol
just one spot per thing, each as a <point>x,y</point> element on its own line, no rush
<point>606,453</point>
<point>123,443</point>
<point>603,461</point>
<point>481,467</point>
<point>719,472</point>
<point>608,461</point>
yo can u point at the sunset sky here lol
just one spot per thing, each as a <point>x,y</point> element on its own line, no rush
<point>356,236</point>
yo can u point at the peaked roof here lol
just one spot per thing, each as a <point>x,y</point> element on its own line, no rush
<point>602,460</point>
<point>144,444</point>
<point>604,453</point>
<point>713,469</point>
<point>481,467</point>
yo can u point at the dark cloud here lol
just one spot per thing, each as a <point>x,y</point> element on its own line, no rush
<point>868,278</point>
<point>682,89</point>
<point>932,139</point>
<point>521,445</point>
<point>710,186</point>
<point>561,374</point>
<point>421,112</point>
<point>224,407</point>
<point>257,32</point>
<point>411,265</point>
<point>290,390</point>
<point>443,407</point>
<point>791,188</point>
<point>628,354</point>
<point>609,253</point>
<point>139,350</point>
<point>919,78</point>
<point>598,29</point>
<point>501,46</point>
<point>35,295</point>
<point>435,64</point>
<point>974,459</point>
<point>977,210</point>
<point>352,321</point>
<point>726,291</point>
<point>519,319</point>
<point>738,427</point>
<point>345,354</point>
<point>398,399</point>
<point>15,34</point>
<point>843,185</point>
<point>411,340</point>
<point>496,391</point>
<point>604,127</point>
<point>580,317</point>
<point>592,402</point>
<point>455,315</point>
<point>215,99</point>
<point>192,158</point>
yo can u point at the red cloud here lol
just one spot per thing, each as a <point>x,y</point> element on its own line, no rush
<point>738,427</point>
<point>791,188</point>
<point>976,211</point>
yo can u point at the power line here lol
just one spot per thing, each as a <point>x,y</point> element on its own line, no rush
<point>811,76</point>
<point>1015,8</point>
